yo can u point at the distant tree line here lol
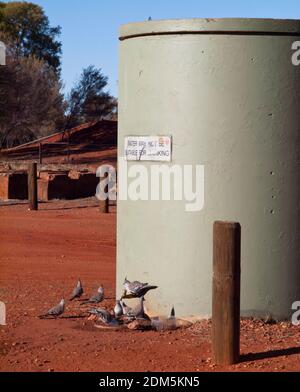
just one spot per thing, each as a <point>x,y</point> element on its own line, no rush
<point>32,104</point>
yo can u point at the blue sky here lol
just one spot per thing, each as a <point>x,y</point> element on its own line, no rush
<point>90,27</point>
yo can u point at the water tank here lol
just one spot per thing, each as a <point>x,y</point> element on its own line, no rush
<point>227,94</point>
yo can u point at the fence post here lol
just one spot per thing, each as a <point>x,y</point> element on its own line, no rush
<point>32,186</point>
<point>226,293</point>
<point>104,204</point>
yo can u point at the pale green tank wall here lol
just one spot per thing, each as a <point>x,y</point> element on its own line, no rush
<point>228,93</point>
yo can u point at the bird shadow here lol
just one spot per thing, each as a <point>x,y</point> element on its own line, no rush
<point>68,208</point>
<point>86,299</point>
<point>73,207</point>
<point>269,354</point>
<point>61,317</point>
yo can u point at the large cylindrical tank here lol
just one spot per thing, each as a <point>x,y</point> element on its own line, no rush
<point>228,94</point>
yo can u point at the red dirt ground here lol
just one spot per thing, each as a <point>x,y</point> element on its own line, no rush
<point>41,256</point>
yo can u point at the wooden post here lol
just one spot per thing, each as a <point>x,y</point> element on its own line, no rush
<point>104,204</point>
<point>226,293</point>
<point>40,153</point>
<point>32,186</point>
<point>68,153</point>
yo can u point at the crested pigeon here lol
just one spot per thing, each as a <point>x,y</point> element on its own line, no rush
<point>118,309</point>
<point>55,311</point>
<point>78,291</point>
<point>104,316</point>
<point>136,289</point>
<point>96,298</point>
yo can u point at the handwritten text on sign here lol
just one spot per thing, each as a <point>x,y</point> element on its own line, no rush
<point>148,148</point>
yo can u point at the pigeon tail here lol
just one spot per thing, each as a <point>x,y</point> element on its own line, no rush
<point>172,315</point>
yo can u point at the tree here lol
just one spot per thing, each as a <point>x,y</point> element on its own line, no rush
<point>87,100</point>
<point>31,104</point>
<point>26,28</point>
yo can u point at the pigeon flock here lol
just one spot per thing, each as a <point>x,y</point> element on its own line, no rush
<point>120,314</point>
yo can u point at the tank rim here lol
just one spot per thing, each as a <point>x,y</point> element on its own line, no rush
<point>234,26</point>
